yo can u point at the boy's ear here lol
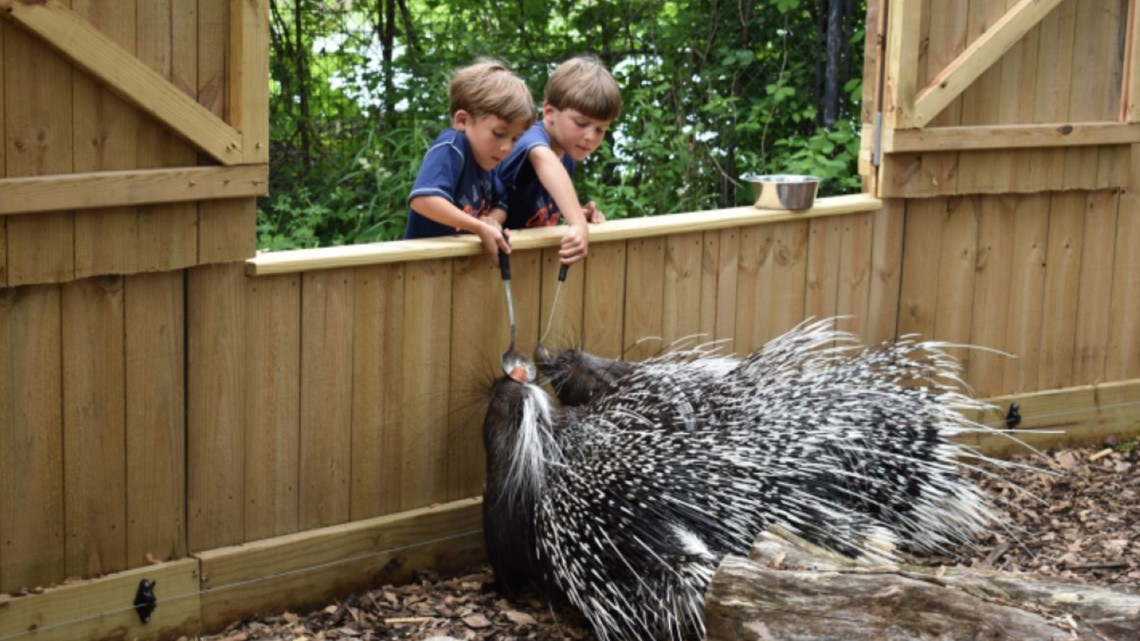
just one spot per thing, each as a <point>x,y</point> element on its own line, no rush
<point>460,119</point>
<point>548,110</point>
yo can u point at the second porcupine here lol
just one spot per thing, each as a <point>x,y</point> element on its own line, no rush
<point>625,504</point>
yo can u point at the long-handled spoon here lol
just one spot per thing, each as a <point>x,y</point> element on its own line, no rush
<point>554,305</point>
<point>515,364</point>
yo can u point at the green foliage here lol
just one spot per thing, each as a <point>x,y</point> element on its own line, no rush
<point>711,90</point>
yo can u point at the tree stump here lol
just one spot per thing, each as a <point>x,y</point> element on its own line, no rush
<point>791,590</point>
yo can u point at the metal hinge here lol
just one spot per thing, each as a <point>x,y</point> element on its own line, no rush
<point>877,150</point>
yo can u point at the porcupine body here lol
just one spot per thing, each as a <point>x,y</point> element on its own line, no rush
<point>625,503</point>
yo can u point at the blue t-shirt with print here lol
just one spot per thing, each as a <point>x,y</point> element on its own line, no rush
<point>528,202</point>
<point>449,170</point>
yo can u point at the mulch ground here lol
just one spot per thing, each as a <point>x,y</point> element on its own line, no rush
<point>1080,521</point>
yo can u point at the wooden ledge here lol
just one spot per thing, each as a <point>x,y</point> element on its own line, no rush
<point>301,260</point>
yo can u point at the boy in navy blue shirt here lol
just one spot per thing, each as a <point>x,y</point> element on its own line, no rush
<point>456,189</point>
<point>580,102</point>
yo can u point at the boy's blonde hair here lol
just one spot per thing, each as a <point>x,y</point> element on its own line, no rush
<point>585,85</point>
<point>488,87</point>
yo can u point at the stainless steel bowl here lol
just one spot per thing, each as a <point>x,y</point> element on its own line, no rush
<point>783,191</point>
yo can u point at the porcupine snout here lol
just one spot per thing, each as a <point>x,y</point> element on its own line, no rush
<point>576,376</point>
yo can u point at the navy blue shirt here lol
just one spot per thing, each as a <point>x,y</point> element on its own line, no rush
<point>528,202</point>
<point>449,170</point>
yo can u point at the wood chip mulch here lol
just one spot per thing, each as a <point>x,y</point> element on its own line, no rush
<point>1079,521</point>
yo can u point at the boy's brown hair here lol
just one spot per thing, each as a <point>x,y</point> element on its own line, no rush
<point>488,87</point>
<point>585,85</point>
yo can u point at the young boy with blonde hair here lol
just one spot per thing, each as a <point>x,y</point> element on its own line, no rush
<point>580,102</point>
<point>456,189</point>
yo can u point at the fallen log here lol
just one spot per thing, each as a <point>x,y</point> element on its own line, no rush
<point>791,590</point>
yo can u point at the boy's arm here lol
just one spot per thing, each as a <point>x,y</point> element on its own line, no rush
<point>444,212</point>
<point>549,169</point>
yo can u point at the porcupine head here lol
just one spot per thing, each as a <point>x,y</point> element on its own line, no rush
<point>577,376</point>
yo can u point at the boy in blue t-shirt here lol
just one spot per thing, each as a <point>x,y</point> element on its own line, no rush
<point>580,102</point>
<point>456,189</point>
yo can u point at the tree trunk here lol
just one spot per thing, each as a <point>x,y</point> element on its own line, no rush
<point>789,590</point>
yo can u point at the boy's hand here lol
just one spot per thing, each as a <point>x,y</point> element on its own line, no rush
<point>592,214</point>
<point>575,244</point>
<point>494,239</point>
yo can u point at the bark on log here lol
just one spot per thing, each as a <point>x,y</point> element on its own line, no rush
<point>790,590</point>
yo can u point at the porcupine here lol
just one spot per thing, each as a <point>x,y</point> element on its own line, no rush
<point>625,504</point>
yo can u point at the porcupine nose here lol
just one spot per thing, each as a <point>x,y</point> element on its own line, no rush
<point>543,357</point>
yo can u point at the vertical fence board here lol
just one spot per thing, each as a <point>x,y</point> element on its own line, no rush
<point>94,426</point>
<point>922,247</point>
<point>789,277</point>
<point>642,332</point>
<point>31,438</point>
<point>156,420</point>
<point>824,240</point>
<point>168,43</point>
<point>1089,86</point>
<point>1052,85</point>
<point>753,287</point>
<point>1123,360</point>
<point>982,100</point>
<point>326,397</point>
<point>681,316</point>
<point>854,264</point>
<point>215,454</point>
<point>989,324</point>
<point>1062,278</point>
<point>1026,296</point>
<point>605,287</point>
<point>476,353</point>
<point>728,258</point>
<point>40,246</point>
<point>425,370</point>
<point>3,173</point>
<point>272,370</point>
<point>1094,298</point>
<point>886,272</point>
<point>710,268</point>
<point>956,273</point>
<point>566,328</point>
<point>104,140</point>
<point>378,352</point>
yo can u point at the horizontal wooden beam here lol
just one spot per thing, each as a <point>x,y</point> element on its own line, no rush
<point>1011,137</point>
<point>1068,417</point>
<point>310,568</point>
<point>89,49</point>
<point>301,260</point>
<point>103,608</point>
<point>67,192</point>
<point>977,58</point>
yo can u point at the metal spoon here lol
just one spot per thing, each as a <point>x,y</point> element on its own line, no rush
<point>515,363</point>
<point>553,306</point>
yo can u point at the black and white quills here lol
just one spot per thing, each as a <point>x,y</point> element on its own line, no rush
<point>624,499</point>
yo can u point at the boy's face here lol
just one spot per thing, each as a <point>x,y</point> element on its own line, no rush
<point>572,132</point>
<point>491,137</point>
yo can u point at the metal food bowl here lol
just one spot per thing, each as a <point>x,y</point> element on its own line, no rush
<point>783,191</point>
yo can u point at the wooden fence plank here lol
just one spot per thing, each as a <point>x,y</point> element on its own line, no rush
<point>995,262</point>
<point>249,93</point>
<point>1094,298</point>
<point>956,273</point>
<point>566,328</point>
<point>326,397</point>
<point>854,265</point>
<point>728,258</point>
<point>753,288</point>
<point>477,345</point>
<point>425,371</point>
<point>31,441</point>
<point>94,426</point>
<point>1130,96</point>
<point>642,331</point>
<point>681,315</point>
<point>710,273</point>
<point>605,287</point>
<point>789,277</point>
<point>1092,76</point>
<point>900,87</point>
<point>156,421</point>
<point>922,247</point>
<point>982,100</point>
<point>1026,293</point>
<point>40,248</point>
<point>377,416</point>
<point>272,367</point>
<point>104,126</point>
<point>1051,87</point>
<point>1062,281</point>
<point>215,387</point>
<point>824,241</point>
<point>886,272</point>
<point>1124,334</point>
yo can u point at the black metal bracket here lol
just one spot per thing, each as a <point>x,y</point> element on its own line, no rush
<point>145,601</point>
<point>1013,417</point>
